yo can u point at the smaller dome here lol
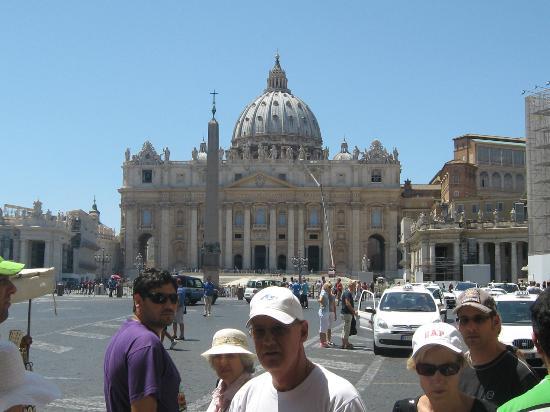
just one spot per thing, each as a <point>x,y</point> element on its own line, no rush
<point>344,153</point>
<point>202,155</point>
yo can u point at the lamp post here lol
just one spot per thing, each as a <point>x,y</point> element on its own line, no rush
<point>139,263</point>
<point>299,263</point>
<point>102,258</point>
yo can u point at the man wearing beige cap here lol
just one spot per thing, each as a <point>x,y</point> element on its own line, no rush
<point>291,381</point>
<point>496,374</point>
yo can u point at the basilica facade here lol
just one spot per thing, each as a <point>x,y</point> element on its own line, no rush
<point>281,195</point>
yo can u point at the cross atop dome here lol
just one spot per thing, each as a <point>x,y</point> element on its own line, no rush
<point>277,80</point>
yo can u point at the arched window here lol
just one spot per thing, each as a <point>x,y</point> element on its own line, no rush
<point>496,181</point>
<point>484,179</point>
<point>314,217</point>
<point>239,219</point>
<point>520,183</point>
<point>260,216</point>
<point>508,182</point>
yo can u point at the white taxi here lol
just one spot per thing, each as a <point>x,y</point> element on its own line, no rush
<point>400,311</point>
<point>514,310</point>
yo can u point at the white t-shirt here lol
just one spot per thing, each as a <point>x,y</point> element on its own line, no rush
<point>321,391</point>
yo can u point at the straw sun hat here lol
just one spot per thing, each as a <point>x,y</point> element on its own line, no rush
<point>227,341</point>
<point>21,387</point>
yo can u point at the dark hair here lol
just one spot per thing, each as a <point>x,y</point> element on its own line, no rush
<point>152,279</point>
<point>540,316</point>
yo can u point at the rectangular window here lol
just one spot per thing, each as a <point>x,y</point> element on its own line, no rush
<point>146,218</point>
<point>313,237</point>
<point>238,235</point>
<point>489,208</point>
<point>238,176</point>
<point>482,155</point>
<point>282,219</point>
<point>282,176</point>
<point>507,157</point>
<point>460,208</point>
<point>519,158</point>
<point>456,193</point>
<point>376,176</point>
<point>146,176</point>
<point>475,209</point>
<point>500,206</point>
<point>282,236</point>
<point>456,179</point>
<point>376,218</point>
<point>496,156</point>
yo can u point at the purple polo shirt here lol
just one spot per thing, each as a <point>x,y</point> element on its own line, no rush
<point>136,366</point>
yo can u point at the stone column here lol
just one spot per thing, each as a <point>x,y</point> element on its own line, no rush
<point>326,246</point>
<point>47,253</point>
<point>220,235</point>
<point>392,228</point>
<point>301,230</point>
<point>130,240</point>
<point>272,238</point>
<point>481,258</point>
<point>355,227</point>
<point>228,237</point>
<point>424,255</point>
<point>457,258</point>
<point>498,274</point>
<point>514,263</point>
<point>164,236</point>
<point>24,252</point>
<point>246,251</point>
<point>432,257</point>
<point>290,238</point>
<point>193,236</point>
<point>57,261</point>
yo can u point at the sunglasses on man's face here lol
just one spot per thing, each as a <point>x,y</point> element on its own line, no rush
<point>477,319</point>
<point>446,369</point>
<point>162,298</point>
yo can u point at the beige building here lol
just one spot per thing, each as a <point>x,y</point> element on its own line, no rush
<point>71,242</point>
<point>271,207</point>
<point>481,216</point>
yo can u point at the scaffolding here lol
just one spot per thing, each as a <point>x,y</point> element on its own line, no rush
<point>537,124</point>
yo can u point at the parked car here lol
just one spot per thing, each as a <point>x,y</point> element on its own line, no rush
<point>194,289</point>
<point>515,312</point>
<point>255,285</point>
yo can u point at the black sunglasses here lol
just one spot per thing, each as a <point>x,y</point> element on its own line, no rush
<point>446,369</point>
<point>477,319</point>
<point>161,298</point>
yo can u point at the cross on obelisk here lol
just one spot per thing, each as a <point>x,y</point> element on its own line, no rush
<point>214,93</point>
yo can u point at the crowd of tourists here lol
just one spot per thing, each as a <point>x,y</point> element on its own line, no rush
<point>463,368</point>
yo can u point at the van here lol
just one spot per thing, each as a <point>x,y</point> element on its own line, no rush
<point>255,285</point>
<point>194,289</point>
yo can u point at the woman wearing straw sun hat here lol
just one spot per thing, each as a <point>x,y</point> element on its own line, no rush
<point>20,387</point>
<point>233,362</point>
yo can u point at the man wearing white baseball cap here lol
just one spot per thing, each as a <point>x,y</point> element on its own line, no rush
<point>291,381</point>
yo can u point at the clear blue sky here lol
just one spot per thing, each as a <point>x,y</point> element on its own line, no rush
<point>82,80</point>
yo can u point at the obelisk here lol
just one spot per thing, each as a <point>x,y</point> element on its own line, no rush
<point>211,246</point>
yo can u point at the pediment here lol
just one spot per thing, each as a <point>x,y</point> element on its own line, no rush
<point>260,181</point>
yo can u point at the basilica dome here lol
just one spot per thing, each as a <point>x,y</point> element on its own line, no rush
<point>277,120</point>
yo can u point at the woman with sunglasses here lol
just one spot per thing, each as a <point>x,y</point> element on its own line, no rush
<point>438,359</point>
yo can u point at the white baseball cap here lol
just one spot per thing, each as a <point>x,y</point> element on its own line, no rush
<point>278,303</point>
<point>437,333</point>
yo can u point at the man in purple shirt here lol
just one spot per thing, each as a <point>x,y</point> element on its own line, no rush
<point>139,375</point>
